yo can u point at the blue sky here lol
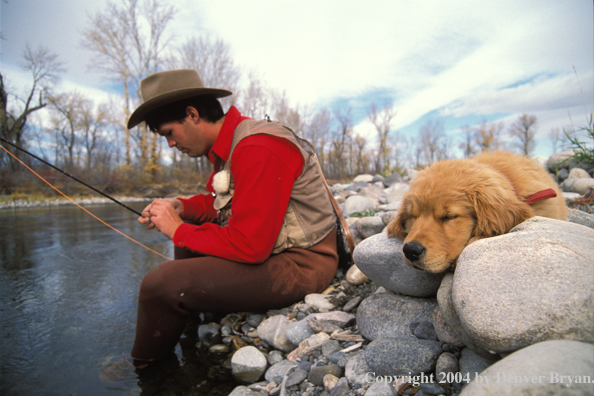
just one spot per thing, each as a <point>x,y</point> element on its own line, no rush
<point>463,62</point>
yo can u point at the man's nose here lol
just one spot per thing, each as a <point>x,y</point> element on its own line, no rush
<point>170,141</point>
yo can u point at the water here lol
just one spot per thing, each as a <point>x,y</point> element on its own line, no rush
<point>68,291</point>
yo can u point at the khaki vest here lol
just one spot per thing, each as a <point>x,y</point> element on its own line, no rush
<point>310,217</point>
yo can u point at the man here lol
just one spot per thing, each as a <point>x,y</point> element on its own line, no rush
<point>263,239</point>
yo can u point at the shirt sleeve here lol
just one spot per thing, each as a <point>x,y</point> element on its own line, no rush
<point>199,209</point>
<point>264,169</point>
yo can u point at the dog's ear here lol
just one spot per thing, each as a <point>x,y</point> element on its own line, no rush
<point>396,226</point>
<point>498,210</point>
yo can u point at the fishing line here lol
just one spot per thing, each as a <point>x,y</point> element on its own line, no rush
<point>91,214</point>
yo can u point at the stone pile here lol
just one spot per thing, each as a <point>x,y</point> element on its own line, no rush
<point>517,316</point>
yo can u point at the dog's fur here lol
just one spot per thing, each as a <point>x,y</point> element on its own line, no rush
<point>453,203</point>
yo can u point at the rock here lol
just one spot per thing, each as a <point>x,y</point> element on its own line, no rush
<point>277,372</point>
<point>540,289</point>
<point>352,304</point>
<point>208,335</point>
<point>368,226</point>
<point>330,382</point>
<point>380,258</point>
<point>580,186</point>
<point>272,330</point>
<point>317,373</point>
<point>374,193</point>
<point>383,388</point>
<point>274,357</point>
<point>424,330</point>
<point>341,388</point>
<point>357,204</point>
<point>445,367</point>
<point>562,174</point>
<point>402,356</point>
<point>446,306</point>
<point>578,173</point>
<point>390,215</point>
<point>580,217</point>
<point>320,301</point>
<point>471,364</point>
<point>296,377</point>
<point>396,193</point>
<point>560,160</point>
<point>443,331</point>
<point>393,179</point>
<point>356,369</point>
<point>355,277</point>
<point>296,332</point>
<point>546,368</point>
<point>245,391</point>
<point>337,318</point>
<point>255,318</point>
<point>570,197</point>
<point>248,364</point>
<point>363,178</point>
<point>391,315</point>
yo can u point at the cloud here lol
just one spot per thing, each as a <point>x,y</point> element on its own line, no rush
<point>562,91</point>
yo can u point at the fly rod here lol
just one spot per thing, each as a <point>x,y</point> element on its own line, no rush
<point>72,177</point>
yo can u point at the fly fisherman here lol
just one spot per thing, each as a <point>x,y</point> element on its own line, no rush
<point>264,238</point>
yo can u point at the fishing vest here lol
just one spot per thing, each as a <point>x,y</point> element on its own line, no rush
<point>309,217</point>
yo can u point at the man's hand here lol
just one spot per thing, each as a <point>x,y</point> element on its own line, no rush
<point>164,214</point>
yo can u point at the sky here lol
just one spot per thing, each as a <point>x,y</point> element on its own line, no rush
<point>461,62</point>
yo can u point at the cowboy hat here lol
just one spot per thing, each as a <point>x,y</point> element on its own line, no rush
<point>167,87</point>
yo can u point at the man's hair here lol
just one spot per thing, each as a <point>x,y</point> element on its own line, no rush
<point>208,107</point>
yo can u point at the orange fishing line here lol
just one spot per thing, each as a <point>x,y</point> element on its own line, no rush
<point>71,200</point>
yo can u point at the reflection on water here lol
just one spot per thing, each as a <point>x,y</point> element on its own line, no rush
<point>68,290</point>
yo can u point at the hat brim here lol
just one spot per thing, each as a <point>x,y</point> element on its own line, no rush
<point>141,111</point>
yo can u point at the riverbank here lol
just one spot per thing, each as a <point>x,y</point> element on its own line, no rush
<point>7,203</point>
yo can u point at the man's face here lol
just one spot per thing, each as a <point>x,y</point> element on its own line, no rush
<point>186,136</point>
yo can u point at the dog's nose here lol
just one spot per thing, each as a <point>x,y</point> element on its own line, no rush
<point>413,251</point>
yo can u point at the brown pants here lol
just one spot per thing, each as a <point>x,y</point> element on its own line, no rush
<point>173,290</point>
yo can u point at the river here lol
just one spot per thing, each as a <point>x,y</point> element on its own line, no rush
<point>68,299</point>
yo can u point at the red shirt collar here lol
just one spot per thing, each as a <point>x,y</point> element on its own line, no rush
<point>222,145</point>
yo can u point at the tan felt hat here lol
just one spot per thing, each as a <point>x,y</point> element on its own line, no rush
<point>167,87</point>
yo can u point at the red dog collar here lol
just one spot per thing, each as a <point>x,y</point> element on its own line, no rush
<point>539,196</point>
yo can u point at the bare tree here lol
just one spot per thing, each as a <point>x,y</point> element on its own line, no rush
<point>212,59</point>
<point>318,132</point>
<point>433,141</point>
<point>340,141</point>
<point>488,137</point>
<point>254,99</point>
<point>381,119</point>
<point>524,130</point>
<point>127,54</point>
<point>468,145</point>
<point>45,70</point>
<point>555,136</point>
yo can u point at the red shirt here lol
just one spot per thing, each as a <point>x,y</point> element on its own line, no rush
<point>264,169</point>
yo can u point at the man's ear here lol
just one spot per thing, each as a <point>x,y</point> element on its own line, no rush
<point>192,113</point>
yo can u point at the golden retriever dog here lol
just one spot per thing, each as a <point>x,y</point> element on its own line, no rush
<point>453,203</point>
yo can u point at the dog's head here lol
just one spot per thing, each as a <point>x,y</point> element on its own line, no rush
<point>449,205</point>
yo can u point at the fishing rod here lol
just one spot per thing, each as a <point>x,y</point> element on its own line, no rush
<point>72,177</point>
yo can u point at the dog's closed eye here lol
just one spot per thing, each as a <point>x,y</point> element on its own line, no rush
<point>448,217</point>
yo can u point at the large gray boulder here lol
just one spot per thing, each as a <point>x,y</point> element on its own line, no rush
<point>391,315</point>
<point>380,258</point>
<point>558,367</point>
<point>534,284</point>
